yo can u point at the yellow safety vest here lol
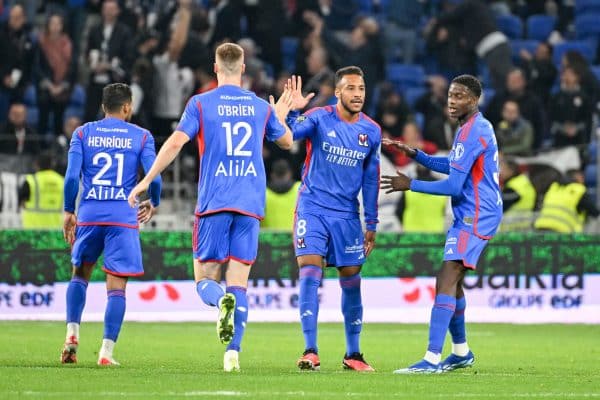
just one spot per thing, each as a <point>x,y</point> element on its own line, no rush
<point>279,209</point>
<point>519,216</point>
<point>424,212</point>
<point>44,208</point>
<point>559,209</point>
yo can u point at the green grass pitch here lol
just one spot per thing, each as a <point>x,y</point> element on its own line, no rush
<point>184,360</point>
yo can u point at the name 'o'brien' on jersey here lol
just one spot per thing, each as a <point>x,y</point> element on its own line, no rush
<point>229,124</point>
<point>342,159</point>
<point>111,151</point>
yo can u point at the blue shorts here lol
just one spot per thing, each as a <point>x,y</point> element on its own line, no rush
<point>340,241</point>
<point>463,246</point>
<point>121,246</point>
<point>223,236</point>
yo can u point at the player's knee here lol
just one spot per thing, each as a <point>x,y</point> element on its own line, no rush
<point>307,260</point>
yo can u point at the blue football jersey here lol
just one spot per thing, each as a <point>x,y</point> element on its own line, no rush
<point>342,158</point>
<point>111,151</point>
<point>478,208</point>
<point>229,125</point>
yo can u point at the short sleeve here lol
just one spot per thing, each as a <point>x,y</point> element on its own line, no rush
<point>274,128</point>
<point>191,118</point>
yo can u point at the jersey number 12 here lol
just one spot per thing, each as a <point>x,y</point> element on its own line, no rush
<point>235,130</point>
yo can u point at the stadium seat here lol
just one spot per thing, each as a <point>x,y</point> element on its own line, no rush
<point>585,48</point>
<point>412,94</point>
<point>587,26</point>
<point>596,70</point>
<point>74,111</point>
<point>33,115</point>
<point>586,6</point>
<point>289,46</point>
<point>591,175</point>
<point>510,25</point>
<point>518,45</point>
<point>30,96</point>
<point>540,26</point>
<point>486,97</point>
<point>78,96</point>
<point>365,6</point>
<point>405,76</point>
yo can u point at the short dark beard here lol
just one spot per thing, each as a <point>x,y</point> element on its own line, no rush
<point>352,113</point>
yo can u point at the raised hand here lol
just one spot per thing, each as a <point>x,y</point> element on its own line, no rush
<point>395,183</point>
<point>284,104</point>
<point>299,102</point>
<point>409,151</point>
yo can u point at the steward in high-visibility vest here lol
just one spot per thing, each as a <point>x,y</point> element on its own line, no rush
<point>566,205</point>
<point>559,209</point>
<point>42,208</point>
<point>519,201</point>
<point>424,212</point>
<point>281,197</point>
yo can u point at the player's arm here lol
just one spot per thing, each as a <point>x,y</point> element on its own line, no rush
<point>437,164</point>
<point>370,193</point>
<point>276,123</point>
<point>169,150</point>
<point>451,186</point>
<point>147,158</point>
<point>71,188</point>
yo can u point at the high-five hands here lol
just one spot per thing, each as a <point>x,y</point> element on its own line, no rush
<point>299,102</point>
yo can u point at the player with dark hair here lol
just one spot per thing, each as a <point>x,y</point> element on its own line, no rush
<point>229,124</point>
<point>473,184</point>
<point>106,154</point>
<point>343,152</point>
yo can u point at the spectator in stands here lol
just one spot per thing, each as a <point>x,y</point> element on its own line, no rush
<point>17,136</point>
<point>518,197</point>
<point>282,192</point>
<point>110,55</point>
<point>438,128</point>
<point>339,14</point>
<point>172,84</point>
<point>365,48</point>
<point>514,133</point>
<point>401,26</point>
<point>62,142</point>
<point>317,68</point>
<point>539,70</point>
<point>392,111</point>
<point>54,74</point>
<point>587,80</point>
<point>255,77</point>
<point>530,105</point>
<point>419,212</point>
<point>326,92</point>
<point>566,205</point>
<point>41,196</point>
<point>411,136</point>
<point>224,17</point>
<point>265,24</point>
<point>476,27</point>
<point>16,56</point>
<point>205,78</point>
<point>570,112</point>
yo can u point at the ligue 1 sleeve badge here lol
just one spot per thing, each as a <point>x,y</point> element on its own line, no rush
<point>363,140</point>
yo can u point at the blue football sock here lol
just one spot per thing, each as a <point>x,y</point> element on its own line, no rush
<point>457,323</point>
<point>352,309</point>
<point>115,311</point>
<point>240,316</point>
<point>441,313</point>
<point>76,299</point>
<point>310,279</point>
<point>209,291</point>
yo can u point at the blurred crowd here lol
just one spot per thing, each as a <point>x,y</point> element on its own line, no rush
<point>536,60</point>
